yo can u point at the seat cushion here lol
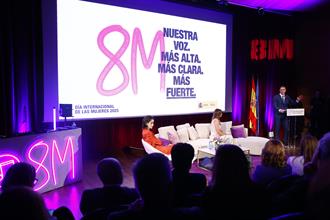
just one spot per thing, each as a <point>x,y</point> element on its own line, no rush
<point>203,130</point>
<point>173,139</point>
<point>183,134</point>
<point>253,143</point>
<point>163,131</point>
<point>225,127</point>
<point>238,131</point>
<point>193,135</point>
<point>186,125</point>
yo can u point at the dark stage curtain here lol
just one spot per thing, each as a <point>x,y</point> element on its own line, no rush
<point>20,67</point>
<point>270,74</point>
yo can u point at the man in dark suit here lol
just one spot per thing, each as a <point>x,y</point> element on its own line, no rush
<point>281,103</point>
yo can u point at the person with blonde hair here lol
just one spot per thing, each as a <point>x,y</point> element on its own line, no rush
<point>273,163</point>
<point>216,132</point>
<point>308,145</point>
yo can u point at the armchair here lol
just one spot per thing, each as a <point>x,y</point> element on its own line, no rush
<point>150,149</point>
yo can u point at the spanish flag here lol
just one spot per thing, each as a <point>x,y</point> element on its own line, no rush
<point>253,109</point>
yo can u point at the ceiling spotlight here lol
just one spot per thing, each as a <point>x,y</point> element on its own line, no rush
<point>261,11</point>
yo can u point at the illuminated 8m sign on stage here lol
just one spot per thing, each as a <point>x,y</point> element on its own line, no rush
<point>56,157</point>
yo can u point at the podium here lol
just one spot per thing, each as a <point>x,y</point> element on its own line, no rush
<point>56,155</point>
<point>294,112</point>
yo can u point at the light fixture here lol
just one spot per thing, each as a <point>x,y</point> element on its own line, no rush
<point>261,11</point>
<point>222,2</point>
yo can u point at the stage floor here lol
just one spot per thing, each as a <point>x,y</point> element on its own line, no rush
<point>70,195</point>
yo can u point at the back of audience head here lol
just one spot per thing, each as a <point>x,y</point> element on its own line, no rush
<point>152,176</point>
<point>19,174</point>
<point>109,171</point>
<point>182,155</point>
<point>319,185</point>
<point>273,154</point>
<point>230,168</point>
<point>320,153</point>
<point>63,213</point>
<point>21,202</point>
<point>323,149</point>
<point>308,145</point>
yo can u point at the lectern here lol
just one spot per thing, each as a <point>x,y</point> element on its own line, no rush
<point>294,112</point>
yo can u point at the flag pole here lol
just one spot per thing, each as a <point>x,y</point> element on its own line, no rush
<point>257,105</point>
<point>253,124</point>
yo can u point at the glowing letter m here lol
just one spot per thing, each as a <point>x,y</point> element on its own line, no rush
<point>68,147</point>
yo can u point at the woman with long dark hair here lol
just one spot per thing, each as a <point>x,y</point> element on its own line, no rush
<point>231,185</point>
<point>149,137</point>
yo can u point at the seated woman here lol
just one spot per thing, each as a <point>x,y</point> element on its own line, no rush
<point>216,131</point>
<point>273,163</point>
<point>231,185</point>
<point>308,145</point>
<point>149,137</point>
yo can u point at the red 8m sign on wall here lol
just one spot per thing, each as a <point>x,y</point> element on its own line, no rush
<point>271,49</point>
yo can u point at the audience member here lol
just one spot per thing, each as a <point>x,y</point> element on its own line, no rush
<point>153,180</point>
<point>273,163</point>
<point>321,161</point>
<point>63,213</point>
<point>310,167</point>
<point>148,136</point>
<point>317,206</point>
<point>231,190</point>
<point>21,202</point>
<point>216,131</point>
<point>187,187</point>
<point>112,195</point>
<point>19,174</point>
<point>308,144</point>
<point>289,192</point>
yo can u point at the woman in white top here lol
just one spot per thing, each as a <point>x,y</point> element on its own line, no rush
<point>308,145</point>
<point>216,131</point>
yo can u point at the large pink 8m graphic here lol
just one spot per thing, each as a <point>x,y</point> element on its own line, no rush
<point>137,42</point>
